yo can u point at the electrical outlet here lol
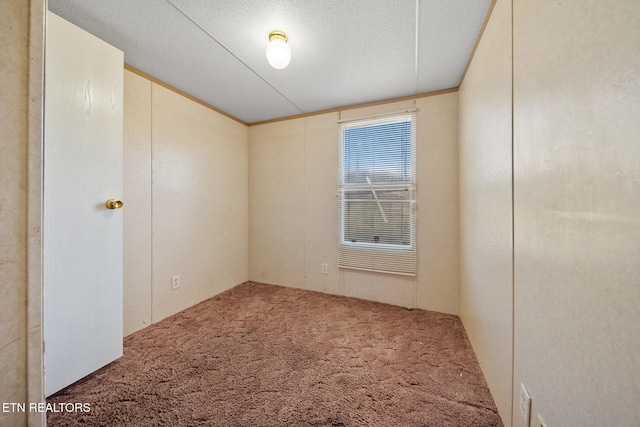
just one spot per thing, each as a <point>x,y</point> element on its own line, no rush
<point>525,403</point>
<point>541,422</point>
<point>325,268</point>
<point>175,282</point>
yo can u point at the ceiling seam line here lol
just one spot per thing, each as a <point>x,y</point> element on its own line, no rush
<point>234,55</point>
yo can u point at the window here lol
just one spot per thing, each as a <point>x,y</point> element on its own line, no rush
<point>377,182</point>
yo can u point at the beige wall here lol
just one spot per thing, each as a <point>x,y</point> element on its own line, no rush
<point>293,229</point>
<point>186,189</point>
<point>200,205</point>
<point>577,210</point>
<point>486,284</point>
<point>14,66</point>
<point>437,202</point>
<point>22,39</point>
<point>137,247</point>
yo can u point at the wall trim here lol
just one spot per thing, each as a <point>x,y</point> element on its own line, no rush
<point>297,116</point>
<point>355,106</point>
<point>179,92</point>
<point>473,52</point>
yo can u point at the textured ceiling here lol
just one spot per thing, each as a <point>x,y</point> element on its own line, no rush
<point>344,52</point>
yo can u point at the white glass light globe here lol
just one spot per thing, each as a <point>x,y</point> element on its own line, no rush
<point>278,53</point>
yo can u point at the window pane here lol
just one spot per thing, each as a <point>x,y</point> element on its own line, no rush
<point>364,221</point>
<point>380,152</point>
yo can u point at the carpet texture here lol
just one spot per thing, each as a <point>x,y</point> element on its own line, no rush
<point>264,355</point>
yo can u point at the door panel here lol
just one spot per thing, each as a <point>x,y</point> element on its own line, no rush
<point>82,239</point>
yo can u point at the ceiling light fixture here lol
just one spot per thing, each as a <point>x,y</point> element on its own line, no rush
<point>278,52</point>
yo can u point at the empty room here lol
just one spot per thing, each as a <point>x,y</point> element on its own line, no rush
<point>328,213</point>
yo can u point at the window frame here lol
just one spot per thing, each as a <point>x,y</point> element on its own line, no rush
<point>409,186</point>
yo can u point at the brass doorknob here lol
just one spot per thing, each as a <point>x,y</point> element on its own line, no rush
<point>114,204</point>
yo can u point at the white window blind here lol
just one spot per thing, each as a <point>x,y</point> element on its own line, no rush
<point>377,183</point>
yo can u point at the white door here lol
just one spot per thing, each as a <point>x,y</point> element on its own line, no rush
<point>82,238</point>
